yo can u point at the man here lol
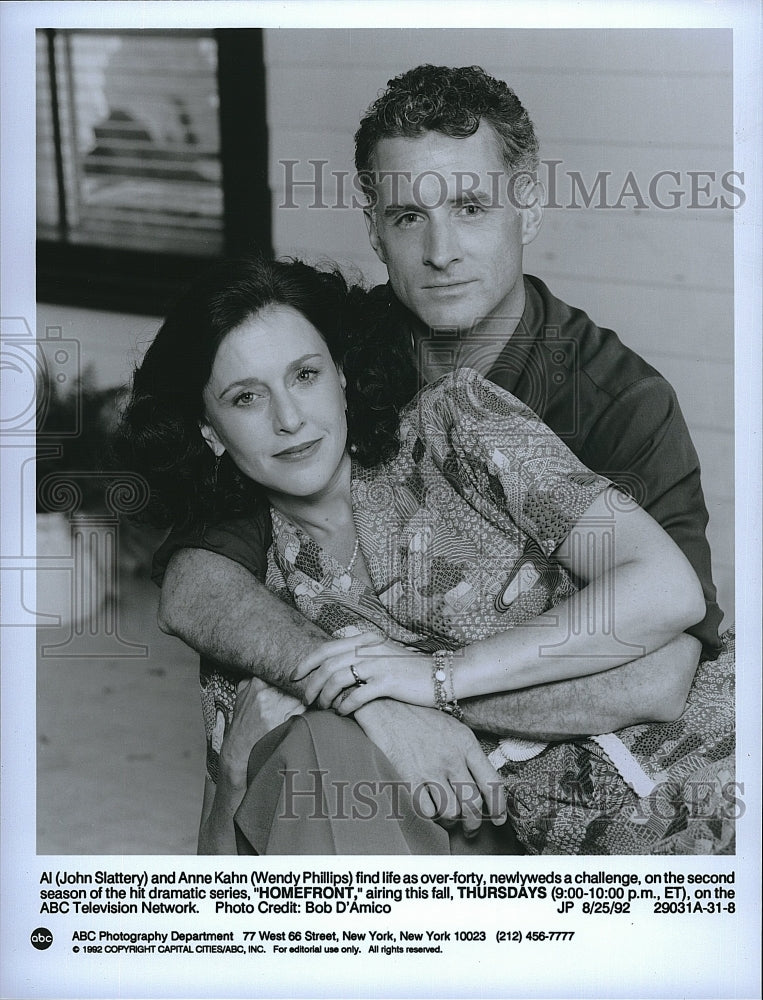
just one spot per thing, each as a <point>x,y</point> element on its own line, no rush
<point>447,158</point>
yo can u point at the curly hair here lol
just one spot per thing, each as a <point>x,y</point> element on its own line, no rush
<point>452,101</point>
<point>382,377</point>
<point>159,434</point>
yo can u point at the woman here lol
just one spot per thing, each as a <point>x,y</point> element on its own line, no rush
<point>453,523</point>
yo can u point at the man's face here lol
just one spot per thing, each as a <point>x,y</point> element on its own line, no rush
<point>447,226</point>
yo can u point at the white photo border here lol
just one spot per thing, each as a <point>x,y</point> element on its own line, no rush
<point>691,968</point>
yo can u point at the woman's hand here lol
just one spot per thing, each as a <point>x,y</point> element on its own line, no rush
<point>345,674</point>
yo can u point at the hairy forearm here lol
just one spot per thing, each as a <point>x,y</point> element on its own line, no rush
<point>223,612</point>
<point>650,689</point>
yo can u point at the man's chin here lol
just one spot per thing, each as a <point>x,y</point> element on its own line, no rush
<point>461,319</point>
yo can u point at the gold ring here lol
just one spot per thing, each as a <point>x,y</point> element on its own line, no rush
<point>358,680</point>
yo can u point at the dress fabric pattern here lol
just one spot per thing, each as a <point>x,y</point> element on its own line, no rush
<point>570,799</point>
<point>458,533</point>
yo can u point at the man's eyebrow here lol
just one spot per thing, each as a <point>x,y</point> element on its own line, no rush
<point>465,197</point>
<point>396,209</point>
<point>479,195</point>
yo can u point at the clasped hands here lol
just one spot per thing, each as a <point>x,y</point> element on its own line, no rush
<point>391,693</point>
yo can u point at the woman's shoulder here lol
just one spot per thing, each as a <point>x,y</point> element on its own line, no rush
<point>464,391</point>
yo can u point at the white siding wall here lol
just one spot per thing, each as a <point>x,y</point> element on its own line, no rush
<point>616,101</point>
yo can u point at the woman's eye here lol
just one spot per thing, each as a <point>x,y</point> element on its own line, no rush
<point>306,374</point>
<point>244,399</point>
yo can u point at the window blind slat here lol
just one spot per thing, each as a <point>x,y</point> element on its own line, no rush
<point>140,140</point>
<point>152,159</point>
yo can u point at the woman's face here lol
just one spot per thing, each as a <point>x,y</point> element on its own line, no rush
<point>275,402</point>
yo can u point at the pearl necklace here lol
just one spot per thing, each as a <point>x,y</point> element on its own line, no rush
<point>351,563</point>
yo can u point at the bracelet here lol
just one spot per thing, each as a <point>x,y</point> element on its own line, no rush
<point>439,675</point>
<point>442,669</point>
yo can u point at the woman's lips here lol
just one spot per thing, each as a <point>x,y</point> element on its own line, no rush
<point>299,451</point>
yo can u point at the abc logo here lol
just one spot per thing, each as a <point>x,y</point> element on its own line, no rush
<point>41,938</point>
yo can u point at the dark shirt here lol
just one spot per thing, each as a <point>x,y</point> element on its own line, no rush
<point>612,409</point>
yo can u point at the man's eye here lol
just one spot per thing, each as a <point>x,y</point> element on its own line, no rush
<point>407,220</point>
<point>471,210</point>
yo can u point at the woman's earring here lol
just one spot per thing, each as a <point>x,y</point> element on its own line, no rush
<point>218,459</point>
<point>353,449</point>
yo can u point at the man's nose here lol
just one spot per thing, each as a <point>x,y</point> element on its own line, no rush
<point>441,246</point>
<point>287,416</point>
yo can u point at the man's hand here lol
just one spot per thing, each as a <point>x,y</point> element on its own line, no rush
<point>440,758</point>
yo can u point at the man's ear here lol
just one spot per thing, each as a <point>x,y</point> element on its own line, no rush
<point>369,214</point>
<point>214,442</point>
<point>532,211</point>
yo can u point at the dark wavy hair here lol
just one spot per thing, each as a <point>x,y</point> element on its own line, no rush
<point>382,376</point>
<point>450,100</point>
<point>159,433</point>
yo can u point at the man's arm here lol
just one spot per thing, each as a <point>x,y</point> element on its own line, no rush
<point>222,611</point>
<point>651,689</point>
<point>217,834</point>
<point>641,442</point>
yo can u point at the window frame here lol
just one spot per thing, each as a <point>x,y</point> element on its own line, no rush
<point>144,281</point>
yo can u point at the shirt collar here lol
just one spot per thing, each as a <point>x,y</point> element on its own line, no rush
<point>512,360</point>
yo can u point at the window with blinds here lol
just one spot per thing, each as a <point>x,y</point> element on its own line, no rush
<point>141,159</point>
